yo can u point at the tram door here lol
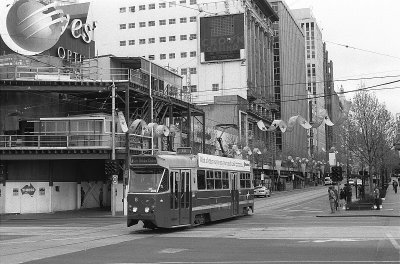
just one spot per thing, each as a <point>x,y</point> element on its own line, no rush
<point>180,197</point>
<point>234,192</point>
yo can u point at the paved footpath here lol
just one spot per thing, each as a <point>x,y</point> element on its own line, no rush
<point>390,208</point>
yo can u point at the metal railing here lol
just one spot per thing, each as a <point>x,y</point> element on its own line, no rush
<point>73,141</point>
<point>15,72</point>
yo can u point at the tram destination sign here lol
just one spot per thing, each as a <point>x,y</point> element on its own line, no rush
<point>217,162</point>
<point>143,160</point>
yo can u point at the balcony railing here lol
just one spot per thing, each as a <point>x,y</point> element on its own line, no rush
<point>73,141</point>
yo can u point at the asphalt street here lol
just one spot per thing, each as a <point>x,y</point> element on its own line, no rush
<point>289,227</point>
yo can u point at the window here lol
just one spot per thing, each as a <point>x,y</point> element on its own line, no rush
<point>171,38</point>
<point>193,54</point>
<point>152,40</point>
<point>183,19</point>
<point>122,10</point>
<point>131,25</point>
<point>142,24</point>
<point>152,23</point>
<point>193,88</point>
<point>182,1</point>
<point>172,55</point>
<point>192,70</point>
<point>122,43</point>
<point>122,26</point>
<point>245,181</point>
<point>183,54</point>
<point>215,87</point>
<point>131,42</point>
<point>152,6</point>
<point>218,179</point>
<point>162,5</point>
<point>132,9</point>
<point>183,71</point>
<point>162,22</point>
<point>193,19</point>
<point>210,180</point>
<point>172,21</point>
<point>183,37</point>
<point>201,180</point>
<point>142,7</point>
<point>193,36</point>
<point>163,39</point>
<point>225,180</point>
<point>151,57</point>
<point>142,41</point>
<point>172,4</point>
<point>193,2</point>
<point>163,56</point>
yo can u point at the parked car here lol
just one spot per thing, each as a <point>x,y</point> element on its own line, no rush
<point>351,182</point>
<point>328,181</point>
<point>359,182</point>
<point>262,191</point>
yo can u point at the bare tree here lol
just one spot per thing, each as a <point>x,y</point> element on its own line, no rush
<point>369,131</point>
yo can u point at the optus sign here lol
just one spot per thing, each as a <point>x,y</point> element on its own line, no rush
<point>30,27</point>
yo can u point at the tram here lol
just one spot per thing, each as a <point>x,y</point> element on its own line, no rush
<point>175,190</point>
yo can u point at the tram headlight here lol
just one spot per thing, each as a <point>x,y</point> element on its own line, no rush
<point>134,209</point>
<point>146,209</point>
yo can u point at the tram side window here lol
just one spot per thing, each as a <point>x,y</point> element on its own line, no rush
<point>225,180</point>
<point>245,181</point>
<point>210,180</point>
<point>218,179</point>
<point>201,180</point>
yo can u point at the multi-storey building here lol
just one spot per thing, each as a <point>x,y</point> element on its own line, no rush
<point>222,49</point>
<point>289,79</point>
<point>329,92</point>
<point>314,78</point>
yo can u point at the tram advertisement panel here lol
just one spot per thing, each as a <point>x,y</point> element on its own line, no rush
<point>217,162</point>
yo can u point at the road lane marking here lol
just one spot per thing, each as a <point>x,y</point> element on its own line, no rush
<point>172,250</point>
<point>393,241</point>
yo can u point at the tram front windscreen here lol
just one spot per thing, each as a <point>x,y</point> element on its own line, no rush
<point>145,180</point>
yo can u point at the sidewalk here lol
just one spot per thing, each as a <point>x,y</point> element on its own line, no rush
<point>83,213</point>
<point>390,208</point>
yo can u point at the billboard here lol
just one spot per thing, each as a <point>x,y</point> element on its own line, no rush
<point>222,37</point>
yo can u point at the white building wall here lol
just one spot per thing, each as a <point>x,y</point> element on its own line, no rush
<point>108,36</point>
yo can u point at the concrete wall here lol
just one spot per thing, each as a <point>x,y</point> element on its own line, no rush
<point>62,196</point>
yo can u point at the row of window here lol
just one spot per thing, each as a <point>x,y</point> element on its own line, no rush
<point>153,40</point>
<point>160,5</point>
<point>152,23</point>
<point>219,180</point>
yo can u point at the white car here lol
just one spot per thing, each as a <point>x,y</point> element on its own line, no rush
<point>351,181</point>
<point>328,181</point>
<point>359,182</point>
<point>262,191</point>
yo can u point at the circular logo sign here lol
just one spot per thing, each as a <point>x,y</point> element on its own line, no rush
<point>29,27</point>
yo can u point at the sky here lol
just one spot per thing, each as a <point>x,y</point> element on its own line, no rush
<point>371,30</point>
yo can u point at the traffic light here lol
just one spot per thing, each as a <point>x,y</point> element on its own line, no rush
<point>336,175</point>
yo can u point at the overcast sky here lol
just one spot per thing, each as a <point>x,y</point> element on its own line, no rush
<point>368,27</point>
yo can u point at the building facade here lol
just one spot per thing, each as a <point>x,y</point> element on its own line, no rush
<point>290,79</point>
<point>315,77</point>
<point>222,49</point>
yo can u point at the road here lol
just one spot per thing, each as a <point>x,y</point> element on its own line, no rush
<point>285,228</point>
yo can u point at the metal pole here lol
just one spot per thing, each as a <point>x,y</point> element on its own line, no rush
<point>113,202</point>
<point>151,110</point>
<point>128,154</point>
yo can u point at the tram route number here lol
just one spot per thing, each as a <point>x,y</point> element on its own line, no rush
<point>115,179</point>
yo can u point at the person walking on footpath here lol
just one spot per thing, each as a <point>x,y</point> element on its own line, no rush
<point>377,198</point>
<point>332,199</point>
<point>395,184</point>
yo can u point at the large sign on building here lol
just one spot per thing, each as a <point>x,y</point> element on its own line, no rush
<point>30,27</point>
<point>222,37</point>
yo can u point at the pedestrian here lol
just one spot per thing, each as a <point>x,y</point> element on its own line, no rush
<point>348,191</point>
<point>342,196</point>
<point>362,192</point>
<point>395,184</point>
<point>377,198</point>
<point>101,197</point>
<point>332,199</point>
<point>82,196</point>
<point>336,199</point>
